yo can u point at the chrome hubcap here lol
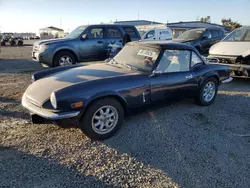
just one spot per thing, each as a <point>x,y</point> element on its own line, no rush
<point>104,120</point>
<point>65,60</point>
<point>209,91</point>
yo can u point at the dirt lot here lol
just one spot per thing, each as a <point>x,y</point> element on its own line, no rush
<point>182,145</point>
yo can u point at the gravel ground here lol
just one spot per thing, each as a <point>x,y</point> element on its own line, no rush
<point>181,145</point>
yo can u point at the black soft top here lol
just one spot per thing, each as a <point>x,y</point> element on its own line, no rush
<point>164,45</point>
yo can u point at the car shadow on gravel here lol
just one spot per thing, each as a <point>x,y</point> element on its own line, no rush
<point>185,142</point>
<point>19,169</point>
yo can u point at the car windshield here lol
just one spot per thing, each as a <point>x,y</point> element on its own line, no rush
<point>238,35</point>
<point>191,35</point>
<point>138,57</point>
<point>75,33</point>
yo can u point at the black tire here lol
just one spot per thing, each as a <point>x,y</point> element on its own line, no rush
<point>59,55</point>
<point>86,121</point>
<point>237,73</point>
<point>200,97</point>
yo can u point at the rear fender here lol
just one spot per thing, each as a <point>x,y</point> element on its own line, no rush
<point>209,75</point>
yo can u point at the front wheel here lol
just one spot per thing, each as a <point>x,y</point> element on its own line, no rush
<point>207,92</point>
<point>102,119</point>
<point>64,58</point>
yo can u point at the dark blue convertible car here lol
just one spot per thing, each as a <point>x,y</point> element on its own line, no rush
<point>141,76</point>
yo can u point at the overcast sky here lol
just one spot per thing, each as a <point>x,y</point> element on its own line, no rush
<point>30,15</point>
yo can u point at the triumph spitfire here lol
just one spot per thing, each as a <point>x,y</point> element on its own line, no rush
<point>140,76</point>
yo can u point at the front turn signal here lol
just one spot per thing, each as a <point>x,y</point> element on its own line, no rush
<point>77,105</point>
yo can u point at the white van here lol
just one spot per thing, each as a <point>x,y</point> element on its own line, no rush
<point>158,34</point>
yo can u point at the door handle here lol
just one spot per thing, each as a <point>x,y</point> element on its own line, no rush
<point>189,76</point>
<point>100,42</point>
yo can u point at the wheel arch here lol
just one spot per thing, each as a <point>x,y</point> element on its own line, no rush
<point>211,75</point>
<point>65,50</point>
<point>109,95</point>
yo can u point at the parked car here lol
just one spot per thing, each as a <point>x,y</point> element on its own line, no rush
<point>142,75</point>
<point>85,43</point>
<point>202,39</point>
<point>158,34</point>
<point>234,50</point>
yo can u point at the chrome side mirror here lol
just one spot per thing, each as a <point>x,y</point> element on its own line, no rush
<point>156,73</point>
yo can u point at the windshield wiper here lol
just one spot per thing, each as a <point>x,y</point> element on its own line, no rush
<point>113,61</point>
<point>128,66</point>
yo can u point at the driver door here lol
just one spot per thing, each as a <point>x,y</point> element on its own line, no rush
<point>174,80</point>
<point>93,46</point>
<point>206,42</point>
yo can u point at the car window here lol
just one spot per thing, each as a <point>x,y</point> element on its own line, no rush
<point>150,34</point>
<point>207,34</point>
<point>138,57</point>
<point>236,35</point>
<point>95,33</point>
<point>131,31</point>
<point>215,33</point>
<point>114,33</point>
<point>247,37</point>
<point>191,34</point>
<point>174,61</point>
<point>222,33</point>
<point>195,59</point>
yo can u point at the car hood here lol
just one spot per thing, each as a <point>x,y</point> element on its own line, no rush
<point>230,48</point>
<point>40,91</point>
<point>48,41</point>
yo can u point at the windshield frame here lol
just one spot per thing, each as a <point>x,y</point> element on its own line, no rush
<point>138,68</point>
<point>191,30</point>
<point>242,39</point>
<point>77,28</point>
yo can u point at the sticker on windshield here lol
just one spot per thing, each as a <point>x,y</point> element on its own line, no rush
<point>146,53</point>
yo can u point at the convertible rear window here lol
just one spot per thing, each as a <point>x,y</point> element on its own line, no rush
<point>139,57</point>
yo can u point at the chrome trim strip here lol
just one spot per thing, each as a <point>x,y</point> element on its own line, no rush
<point>45,113</point>
<point>227,80</point>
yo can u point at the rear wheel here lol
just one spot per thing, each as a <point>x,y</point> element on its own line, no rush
<point>64,58</point>
<point>208,92</point>
<point>102,119</point>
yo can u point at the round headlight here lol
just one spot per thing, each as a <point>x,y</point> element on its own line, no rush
<point>53,100</point>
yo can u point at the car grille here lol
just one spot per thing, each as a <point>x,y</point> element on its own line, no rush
<point>227,61</point>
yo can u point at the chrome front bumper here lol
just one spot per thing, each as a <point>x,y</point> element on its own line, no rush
<point>45,113</point>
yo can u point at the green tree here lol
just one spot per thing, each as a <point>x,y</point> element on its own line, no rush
<point>230,23</point>
<point>206,19</point>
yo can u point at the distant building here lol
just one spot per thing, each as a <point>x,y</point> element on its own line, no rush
<point>142,25</point>
<point>179,27</point>
<point>51,33</point>
<point>137,22</point>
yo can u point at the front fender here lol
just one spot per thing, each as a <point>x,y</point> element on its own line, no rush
<point>104,94</point>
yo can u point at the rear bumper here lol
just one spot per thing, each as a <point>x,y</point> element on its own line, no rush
<point>46,113</point>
